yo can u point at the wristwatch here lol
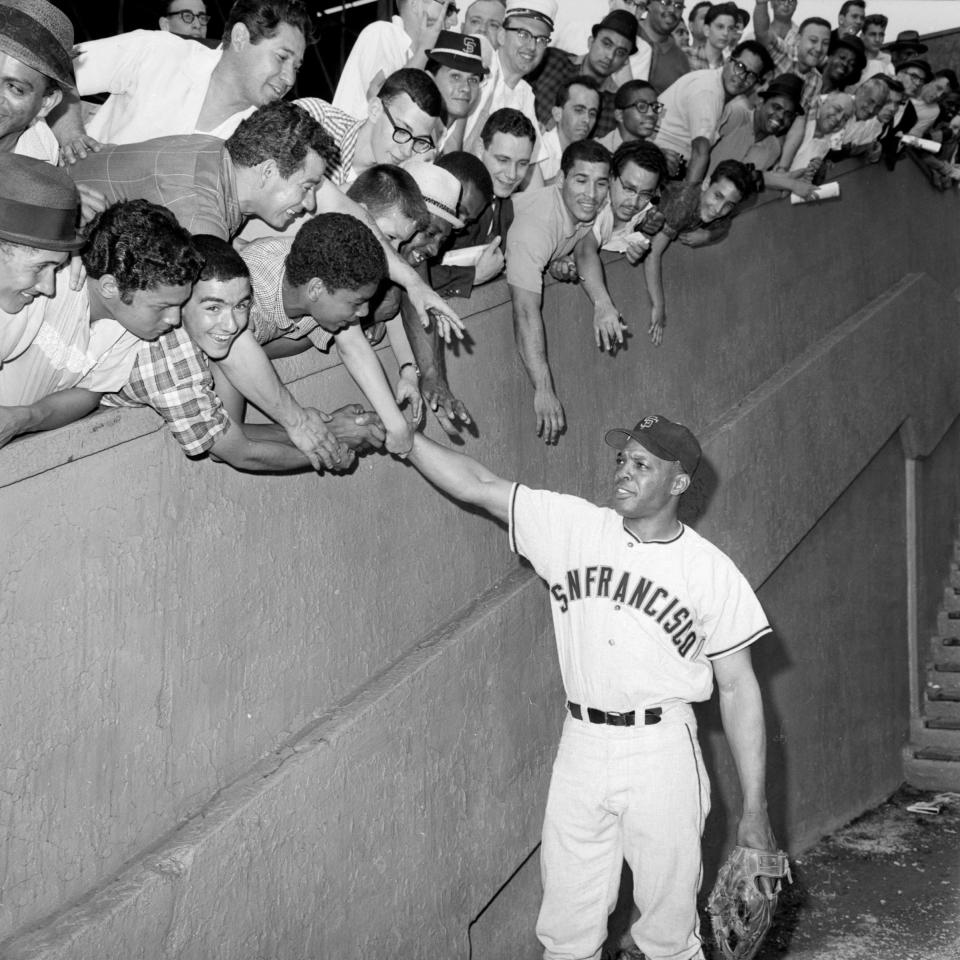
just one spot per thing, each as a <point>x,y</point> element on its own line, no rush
<point>410,363</point>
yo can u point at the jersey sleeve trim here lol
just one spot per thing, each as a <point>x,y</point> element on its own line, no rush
<point>756,635</point>
<point>513,529</point>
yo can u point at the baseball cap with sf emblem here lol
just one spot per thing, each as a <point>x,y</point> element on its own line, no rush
<point>663,438</point>
<point>458,52</point>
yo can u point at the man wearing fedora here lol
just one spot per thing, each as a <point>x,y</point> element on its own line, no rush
<point>610,46</point>
<point>88,338</point>
<point>39,214</point>
<point>907,46</point>
<point>647,616</point>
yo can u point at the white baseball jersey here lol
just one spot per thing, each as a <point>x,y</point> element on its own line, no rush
<point>636,623</point>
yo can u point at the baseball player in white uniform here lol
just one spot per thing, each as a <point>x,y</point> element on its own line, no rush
<point>646,614</point>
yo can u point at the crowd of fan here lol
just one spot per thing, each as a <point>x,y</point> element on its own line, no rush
<point>163,248</point>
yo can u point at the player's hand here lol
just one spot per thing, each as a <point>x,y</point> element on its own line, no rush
<point>400,442</point>
<point>408,394</point>
<point>608,326</point>
<point>430,306</point>
<point>754,831</point>
<point>78,273</point>
<point>564,269</point>
<point>356,428</point>
<point>449,411</point>
<point>314,439</point>
<point>490,264</point>
<point>550,419</point>
<point>78,149</point>
<point>658,320</point>
<point>92,202</point>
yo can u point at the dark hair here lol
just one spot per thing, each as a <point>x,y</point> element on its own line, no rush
<point>587,151</point>
<point>696,7</point>
<point>875,19</point>
<point>950,76</point>
<point>468,169</point>
<point>418,86</point>
<point>141,245</point>
<point>563,92</point>
<point>814,21</point>
<point>759,51</point>
<point>263,18</point>
<point>509,121</point>
<point>641,152</point>
<point>622,99</point>
<point>720,10</point>
<point>737,173</point>
<point>743,18</point>
<point>220,260</point>
<point>383,187</point>
<point>339,250</point>
<point>280,131</point>
<point>852,3</point>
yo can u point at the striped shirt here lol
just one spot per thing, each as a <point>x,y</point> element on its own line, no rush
<point>344,129</point>
<point>266,259</point>
<point>173,376</point>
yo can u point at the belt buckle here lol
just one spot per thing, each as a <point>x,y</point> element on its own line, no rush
<point>616,719</point>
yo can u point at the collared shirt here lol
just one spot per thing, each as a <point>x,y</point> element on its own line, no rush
<point>858,133</point>
<point>612,140</point>
<point>69,350</point>
<point>693,107</point>
<point>266,259</point>
<point>542,230</point>
<point>881,65</point>
<point>193,176</point>
<point>157,83</point>
<point>812,85</point>
<point>379,50</point>
<point>556,68</point>
<point>552,152</point>
<point>609,235</point>
<point>38,141</point>
<point>738,139</point>
<point>495,94</point>
<point>173,376</point>
<point>783,50</point>
<point>344,129</point>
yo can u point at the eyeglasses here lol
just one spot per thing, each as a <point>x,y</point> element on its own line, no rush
<point>188,16</point>
<point>403,135</point>
<point>675,5</point>
<point>740,69</point>
<point>525,36</point>
<point>643,108</point>
<point>918,78</point>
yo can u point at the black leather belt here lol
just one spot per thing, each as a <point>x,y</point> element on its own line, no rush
<point>613,718</point>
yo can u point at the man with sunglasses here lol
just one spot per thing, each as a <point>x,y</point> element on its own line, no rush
<point>694,105</point>
<point>185,18</point>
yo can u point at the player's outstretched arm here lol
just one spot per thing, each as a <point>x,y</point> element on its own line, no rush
<point>462,477</point>
<point>741,708</point>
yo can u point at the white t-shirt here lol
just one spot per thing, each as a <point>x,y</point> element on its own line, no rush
<point>693,106</point>
<point>381,49</point>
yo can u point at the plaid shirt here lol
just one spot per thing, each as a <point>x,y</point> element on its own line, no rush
<point>344,129</point>
<point>556,68</point>
<point>266,259</point>
<point>191,175</point>
<point>172,375</point>
<point>783,50</point>
<point>697,55</point>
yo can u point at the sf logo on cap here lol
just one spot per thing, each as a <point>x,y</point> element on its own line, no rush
<point>469,45</point>
<point>648,422</point>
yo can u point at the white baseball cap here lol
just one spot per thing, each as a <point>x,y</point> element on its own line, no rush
<point>440,189</point>
<point>543,10</point>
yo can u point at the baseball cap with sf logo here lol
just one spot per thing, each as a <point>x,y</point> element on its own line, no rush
<point>663,438</point>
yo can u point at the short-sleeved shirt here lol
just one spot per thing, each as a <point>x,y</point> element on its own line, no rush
<point>783,50</point>
<point>379,50</point>
<point>344,129</point>
<point>738,141</point>
<point>157,83</point>
<point>637,624</point>
<point>173,376</point>
<point>266,259</point>
<point>193,176</point>
<point>69,350</point>
<point>693,107</point>
<point>542,230</point>
<point>556,68</point>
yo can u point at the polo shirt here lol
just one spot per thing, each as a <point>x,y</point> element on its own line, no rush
<point>68,350</point>
<point>692,108</point>
<point>542,230</point>
<point>157,83</point>
<point>193,176</point>
<point>381,49</point>
<point>266,259</point>
<point>172,375</point>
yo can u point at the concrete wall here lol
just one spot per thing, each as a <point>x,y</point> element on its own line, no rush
<point>308,717</point>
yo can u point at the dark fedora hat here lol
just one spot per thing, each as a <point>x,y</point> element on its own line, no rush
<point>851,43</point>
<point>622,22</point>
<point>920,65</point>
<point>38,34</point>
<point>908,40</point>
<point>39,204</point>
<point>787,85</point>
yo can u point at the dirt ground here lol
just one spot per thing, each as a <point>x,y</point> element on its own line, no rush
<point>885,887</point>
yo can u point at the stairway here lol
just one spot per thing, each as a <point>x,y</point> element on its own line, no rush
<point>932,758</point>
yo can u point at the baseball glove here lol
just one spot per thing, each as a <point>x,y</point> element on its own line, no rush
<point>740,912</point>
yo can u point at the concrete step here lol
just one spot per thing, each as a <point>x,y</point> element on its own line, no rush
<point>941,709</point>
<point>948,623</point>
<point>943,682</point>
<point>951,599</point>
<point>945,650</point>
<point>943,732</point>
<point>932,768</point>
